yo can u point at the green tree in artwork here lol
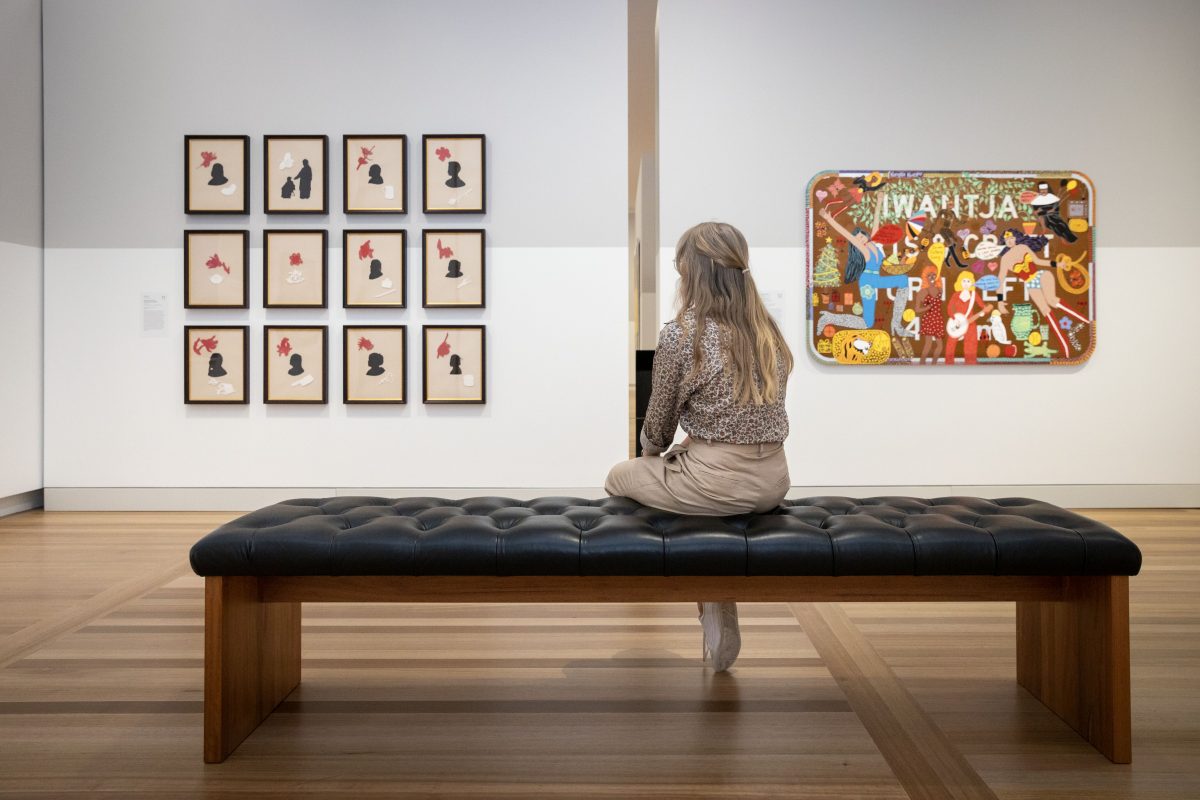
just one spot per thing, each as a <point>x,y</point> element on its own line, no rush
<point>825,271</point>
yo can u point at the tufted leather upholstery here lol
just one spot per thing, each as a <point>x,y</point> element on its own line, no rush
<point>617,536</point>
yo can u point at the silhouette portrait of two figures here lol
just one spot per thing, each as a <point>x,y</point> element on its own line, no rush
<point>304,178</point>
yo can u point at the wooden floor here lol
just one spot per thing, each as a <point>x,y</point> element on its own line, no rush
<point>101,675</point>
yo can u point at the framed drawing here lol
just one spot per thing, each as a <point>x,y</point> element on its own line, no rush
<point>454,173</point>
<point>375,364</point>
<point>453,273</point>
<point>295,364</point>
<point>214,269</point>
<point>214,174</point>
<point>215,360</point>
<point>375,170</point>
<point>951,267</point>
<point>454,364</point>
<point>295,174</point>
<point>374,272</point>
<point>295,268</point>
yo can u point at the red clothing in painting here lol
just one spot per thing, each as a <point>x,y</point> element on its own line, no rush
<point>970,307</point>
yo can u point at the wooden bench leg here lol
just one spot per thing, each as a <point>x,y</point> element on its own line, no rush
<point>1074,657</point>
<point>251,661</point>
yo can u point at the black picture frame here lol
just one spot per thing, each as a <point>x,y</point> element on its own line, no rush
<point>267,331</point>
<point>347,172</point>
<point>426,233</point>
<point>268,191</point>
<point>425,177</point>
<point>346,234</point>
<point>266,255</point>
<point>425,331</point>
<point>244,330</point>
<point>187,173</point>
<point>346,334</point>
<point>187,259</point>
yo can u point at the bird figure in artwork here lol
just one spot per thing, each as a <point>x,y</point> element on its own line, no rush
<point>365,251</point>
<point>200,345</point>
<point>443,349</point>
<point>365,344</point>
<point>215,262</point>
<point>870,183</point>
<point>365,157</point>
<point>861,345</point>
<point>443,252</point>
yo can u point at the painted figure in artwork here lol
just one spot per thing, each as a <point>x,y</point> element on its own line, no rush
<point>217,176</point>
<point>215,368</point>
<point>375,174</point>
<point>455,269</point>
<point>453,169</point>
<point>297,365</point>
<point>863,261</point>
<point>289,189</point>
<point>1020,258</point>
<point>456,364</point>
<point>928,304</point>
<point>376,269</point>
<point>375,364</point>
<point>305,177</point>
<point>1045,204</point>
<point>964,309</point>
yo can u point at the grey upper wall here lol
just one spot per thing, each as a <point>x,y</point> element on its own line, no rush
<point>21,122</point>
<point>127,79</point>
<point>756,96</point>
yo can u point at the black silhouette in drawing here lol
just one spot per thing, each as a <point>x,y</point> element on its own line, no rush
<point>305,178</point>
<point>455,364</point>
<point>289,189</point>
<point>455,269</point>
<point>376,269</point>
<point>453,168</point>
<point>375,173</point>
<point>215,370</point>
<point>218,175</point>
<point>297,365</point>
<point>375,362</point>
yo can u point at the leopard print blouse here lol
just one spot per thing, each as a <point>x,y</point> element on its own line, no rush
<point>705,407</point>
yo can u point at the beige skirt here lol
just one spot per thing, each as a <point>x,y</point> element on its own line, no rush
<point>711,478</point>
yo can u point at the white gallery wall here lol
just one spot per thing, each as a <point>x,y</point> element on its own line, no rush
<point>756,97</point>
<point>20,254</point>
<point>126,80</point>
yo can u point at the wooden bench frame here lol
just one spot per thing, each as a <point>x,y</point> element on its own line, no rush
<point>1072,632</point>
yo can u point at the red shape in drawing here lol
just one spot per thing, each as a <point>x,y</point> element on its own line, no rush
<point>215,262</point>
<point>365,158</point>
<point>442,153</point>
<point>295,260</point>
<point>856,194</point>
<point>443,252</point>
<point>208,156</point>
<point>443,349</point>
<point>888,234</point>
<point>365,251</point>
<point>284,347</point>
<point>365,344</point>
<point>209,344</point>
<point>836,187</point>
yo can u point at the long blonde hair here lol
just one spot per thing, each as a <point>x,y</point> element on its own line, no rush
<point>713,261</point>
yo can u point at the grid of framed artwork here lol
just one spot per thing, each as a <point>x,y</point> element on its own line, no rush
<point>295,268</point>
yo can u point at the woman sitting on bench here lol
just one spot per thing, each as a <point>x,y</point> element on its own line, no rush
<point>720,373</point>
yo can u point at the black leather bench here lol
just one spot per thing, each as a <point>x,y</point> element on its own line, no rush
<point>1067,574</point>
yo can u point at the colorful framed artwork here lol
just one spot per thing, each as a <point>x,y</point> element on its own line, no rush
<point>214,269</point>
<point>214,174</point>
<point>374,364</point>
<point>295,363</point>
<point>454,273</point>
<point>374,269</point>
<point>215,361</point>
<point>951,267</point>
<point>375,170</point>
<point>295,268</point>
<point>295,174</point>
<point>454,364</point>
<point>454,173</point>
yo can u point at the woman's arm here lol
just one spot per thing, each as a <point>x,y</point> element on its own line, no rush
<point>671,364</point>
<point>845,234</point>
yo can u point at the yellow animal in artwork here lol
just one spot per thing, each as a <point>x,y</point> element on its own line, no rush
<point>861,347</point>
